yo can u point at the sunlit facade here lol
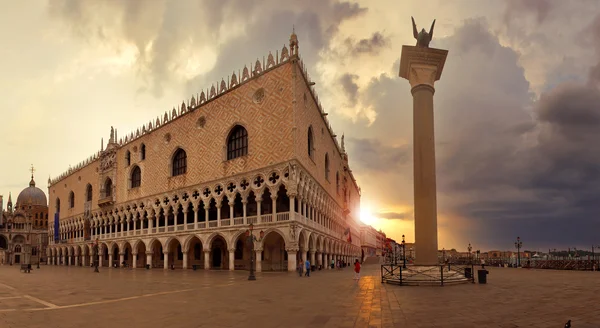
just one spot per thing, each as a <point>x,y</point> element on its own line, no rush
<point>182,190</point>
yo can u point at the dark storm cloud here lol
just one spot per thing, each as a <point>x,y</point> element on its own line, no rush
<point>372,155</point>
<point>391,216</point>
<point>349,86</point>
<point>372,45</point>
<point>161,30</point>
<point>506,164</point>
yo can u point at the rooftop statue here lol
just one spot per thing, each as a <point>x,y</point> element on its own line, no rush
<point>423,38</point>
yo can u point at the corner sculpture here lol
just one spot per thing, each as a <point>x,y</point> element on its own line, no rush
<point>423,38</point>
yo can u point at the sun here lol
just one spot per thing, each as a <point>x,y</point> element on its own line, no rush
<point>366,216</point>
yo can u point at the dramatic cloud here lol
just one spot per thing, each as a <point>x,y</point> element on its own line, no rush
<point>185,39</point>
<point>370,45</point>
<point>391,215</point>
<point>348,84</point>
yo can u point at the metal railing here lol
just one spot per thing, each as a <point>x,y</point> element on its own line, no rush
<point>427,274</point>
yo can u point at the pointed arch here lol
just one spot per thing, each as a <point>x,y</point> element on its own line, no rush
<point>136,177</point>
<point>179,162</point>
<point>88,193</point>
<point>142,152</point>
<point>327,166</point>
<point>237,142</point>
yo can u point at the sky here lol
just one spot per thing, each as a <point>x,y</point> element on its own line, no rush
<point>517,109</point>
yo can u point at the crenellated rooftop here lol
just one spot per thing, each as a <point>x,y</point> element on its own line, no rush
<point>216,90</point>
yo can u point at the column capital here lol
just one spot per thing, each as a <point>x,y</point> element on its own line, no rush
<point>420,65</point>
<point>149,253</point>
<point>258,250</point>
<point>292,249</point>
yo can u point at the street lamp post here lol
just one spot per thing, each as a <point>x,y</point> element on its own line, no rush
<point>518,245</point>
<point>38,256</point>
<point>250,240</point>
<point>469,248</point>
<point>403,253</point>
<point>95,255</point>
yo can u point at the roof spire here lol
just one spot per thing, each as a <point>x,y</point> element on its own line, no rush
<point>9,199</point>
<point>32,182</point>
<point>293,42</point>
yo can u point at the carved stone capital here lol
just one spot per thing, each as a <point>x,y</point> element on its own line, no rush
<point>422,66</point>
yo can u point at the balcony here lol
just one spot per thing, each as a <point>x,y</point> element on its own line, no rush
<point>106,201</point>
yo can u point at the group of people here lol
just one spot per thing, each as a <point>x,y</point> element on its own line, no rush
<point>305,267</point>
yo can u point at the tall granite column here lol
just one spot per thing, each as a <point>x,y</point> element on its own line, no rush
<point>422,66</point>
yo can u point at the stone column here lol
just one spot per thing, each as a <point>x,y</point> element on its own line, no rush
<point>258,208</point>
<point>185,260</point>
<point>218,213</point>
<point>320,259</point>
<point>206,259</point>
<point>149,258</point>
<point>185,216</point>
<point>110,260</point>
<point>150,224</point>
<point>166,260</point>
<point>422,66</point>
<point>100,258</point>
<point>196,209</point>
<point>327,262</point>
<point>77,260</point>
<point>244,212</point>
<point>230,202</point>
<point>292,262</point>
<point>292,207</point>
<point>69,260</point>
<point>312,258</point>
<point>274,206</point>
<point>91,259</point>
<point>231,259</point>
<point>121,258</point>
<point>134,260</point>
<point>258,253</point>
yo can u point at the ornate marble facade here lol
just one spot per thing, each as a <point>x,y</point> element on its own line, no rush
<point>182,192</point>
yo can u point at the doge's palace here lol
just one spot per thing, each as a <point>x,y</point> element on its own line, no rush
<point>182,190</point>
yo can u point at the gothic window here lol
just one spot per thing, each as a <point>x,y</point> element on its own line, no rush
<point>71,199</point>
<point>143,152</point>
<point>128,158</point>
<point>179,162</point>
<point>108,188</point>
<point>18,249</point>
<point>311,141</point>
<point>327,166</point>
<point>337,182</point>
<point>57,205</point>
<point>88,193</point>
<point>239,250</point>
<point>237,142</point>
<point>136,177</point>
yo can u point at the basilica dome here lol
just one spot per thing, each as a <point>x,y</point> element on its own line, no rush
<point>32,196</point>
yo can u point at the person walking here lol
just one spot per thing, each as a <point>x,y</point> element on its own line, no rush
<point>300,266</point>
<point>307,268</point>
<point>356,270</point>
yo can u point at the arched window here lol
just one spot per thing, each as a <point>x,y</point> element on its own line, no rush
<point>18,249</point>
<point>179,162</point>
<point>128,158</point>
<point>88,193</point>
<point>237,142</point>
<point>143,152</point>
<point>327,166</point>
<point>311,145</point>
<point>136,177</point>
<point>57,205</point>
<point>71,199</point>
<point>337,182</point>
<point>108,187</point>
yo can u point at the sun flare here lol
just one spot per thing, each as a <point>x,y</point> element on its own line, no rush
<point>366,216</point>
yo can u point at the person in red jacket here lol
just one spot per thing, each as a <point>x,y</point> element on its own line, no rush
<point>356,270</point>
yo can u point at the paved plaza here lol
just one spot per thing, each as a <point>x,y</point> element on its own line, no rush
<point>76,297</point>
